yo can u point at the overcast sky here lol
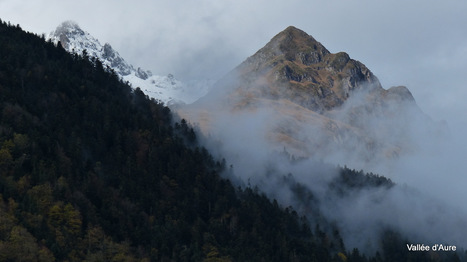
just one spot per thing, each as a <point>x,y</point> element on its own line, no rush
<point>421,44</point>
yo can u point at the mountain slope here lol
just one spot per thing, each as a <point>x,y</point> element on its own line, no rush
<point>164,88</point>
<point>297,67</point>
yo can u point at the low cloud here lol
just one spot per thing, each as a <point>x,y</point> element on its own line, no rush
<point>395,140</point>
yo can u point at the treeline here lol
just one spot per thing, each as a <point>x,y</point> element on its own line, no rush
<point>93,170</point>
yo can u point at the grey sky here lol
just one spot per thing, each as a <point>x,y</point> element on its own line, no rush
<point>420,44</point>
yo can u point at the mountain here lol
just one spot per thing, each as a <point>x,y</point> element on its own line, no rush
<point>164,88</point>
<point>294,66</point>
<point>314,102</point>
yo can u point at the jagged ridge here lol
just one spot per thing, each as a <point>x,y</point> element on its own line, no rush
<point>164,88</point>
<point>75,40</point>
<point>297,67</point>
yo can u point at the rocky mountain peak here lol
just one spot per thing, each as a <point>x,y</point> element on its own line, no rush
<point>76,40</point>
<point>67,31</point>
<point>296,67</point>
<point>296,45</point>
<point>292,45</point>
<point>69,27</point>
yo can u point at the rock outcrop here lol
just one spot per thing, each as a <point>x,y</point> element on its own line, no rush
<point>296,67</point>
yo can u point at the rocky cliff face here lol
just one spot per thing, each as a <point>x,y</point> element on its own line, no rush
<point>296,67</point>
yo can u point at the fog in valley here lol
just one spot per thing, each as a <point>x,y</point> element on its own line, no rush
<point>423,157</point>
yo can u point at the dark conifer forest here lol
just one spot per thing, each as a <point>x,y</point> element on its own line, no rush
<point>93,170</point>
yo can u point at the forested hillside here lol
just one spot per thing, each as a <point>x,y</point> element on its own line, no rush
<point>93,170</point>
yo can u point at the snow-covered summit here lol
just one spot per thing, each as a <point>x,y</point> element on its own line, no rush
<point>164,88</point>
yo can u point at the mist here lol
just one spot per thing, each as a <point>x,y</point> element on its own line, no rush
<point>423,157</point>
